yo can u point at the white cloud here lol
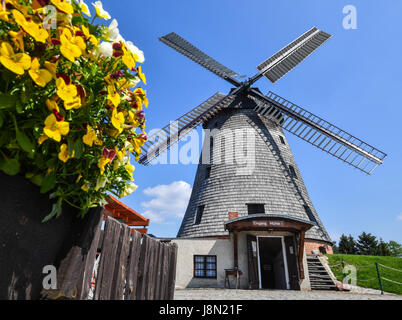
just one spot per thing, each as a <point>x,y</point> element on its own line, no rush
<point>399,217</point>
<point>169,202</point>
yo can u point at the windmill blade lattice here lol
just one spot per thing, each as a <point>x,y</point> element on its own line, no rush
<point>319,132</point>
<point>181,45</point>
<point>289,57</point>
<point>176,130</point>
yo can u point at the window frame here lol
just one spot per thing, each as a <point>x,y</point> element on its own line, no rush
<point>255,204</point>
<point>293,171</point>
<point>205,266</point>
<point>198,216</point>
<point>282,139</point>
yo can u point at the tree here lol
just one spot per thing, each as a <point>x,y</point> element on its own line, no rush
<point>347,245</point>
<point>395,248</point>
<point>367,244</point>
<point>383,249</point>
<point>335,248</point>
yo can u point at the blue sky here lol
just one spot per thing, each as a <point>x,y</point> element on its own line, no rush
<point>354,81</point>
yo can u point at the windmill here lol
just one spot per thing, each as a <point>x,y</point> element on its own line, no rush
<point>276,188</point>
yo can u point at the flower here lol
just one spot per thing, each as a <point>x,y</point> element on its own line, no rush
<point>113,96</point>
<point>100,12</point>
<point>128,58</point>
<point>141,96</point>
<point>128,189</point>
<point>101,182</point>
<point>89,36</point>
<point>141,75</point>
<point>40,76</point>
<point>51,67</point>
<point>63,154</point>
<point>15,62</point>
<point>66,92</point>
<point>18,39</point>
<point>137,53</point>
<point>72,47</point>
<point>63,6</point>
<point>33,29</point>
<point>112,33</point>
<point>102,163</point>
<point>117,120</point>
<point>91,137</point>
<point>104,49</point>
<point>52,105</point>
<point>4,14</point>
<point>84,8</point>
<point>74,103</point>
<point>130,169</point>
<point>54,129</point>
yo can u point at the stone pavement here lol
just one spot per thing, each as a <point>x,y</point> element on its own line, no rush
<point>232,294</point>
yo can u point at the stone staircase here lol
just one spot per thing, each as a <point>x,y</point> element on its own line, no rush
<point>319,277</point>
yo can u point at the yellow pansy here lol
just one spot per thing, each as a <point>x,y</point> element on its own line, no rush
<point>102,163</point>
<point>52,105</point>
<point>141,96</point>
<point>40,76</point>
<point>4,14</point>
<point>89,36</point>
<point>18,39</point>
<point>33,29</point>
<point>120,153</point>
<point>100,12</point>
<point>128,58</point>
<point>63,154</point>
<point>42,139</point>
<point>141,75</point>
<point>90,138</point>
<point>117,120</point>
<point>63,6</point>
<point>74,103</point>
<point>113,96</point>
<point>55,129</point>
<point>66,92</point>
<point>130,169</point>
<point>72,47</point>
<point>16,62</point>
<point>52,68</point>
<point>85,186</point>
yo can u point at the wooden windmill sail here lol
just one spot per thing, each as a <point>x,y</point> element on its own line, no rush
<point>275,186</point>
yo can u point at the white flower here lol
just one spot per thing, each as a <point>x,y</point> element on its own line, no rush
<point>100,12</point>
<point>84,8</point>
<point>129,189</point>
<point>137,53</point>
<point>104,49</point>
<point>101,182</point>
<point>112,33</point>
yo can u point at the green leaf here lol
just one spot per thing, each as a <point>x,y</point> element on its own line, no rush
<point>48,183</point>
<point>25,143</point>
<point>10,166</point>
<point>56,211</point>
<point>78,148</point>
<point>70,146</point>
<point>1,119</point>
<point>37,180</point>
<point>7,101</point>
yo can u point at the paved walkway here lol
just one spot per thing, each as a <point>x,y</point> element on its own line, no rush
<point>228,294</point>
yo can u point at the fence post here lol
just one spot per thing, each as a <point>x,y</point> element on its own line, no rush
<point>379,277</point>
<point>343,269</point>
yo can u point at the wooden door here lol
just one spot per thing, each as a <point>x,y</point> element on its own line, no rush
<point>291,256</point>
<point>253,282</point>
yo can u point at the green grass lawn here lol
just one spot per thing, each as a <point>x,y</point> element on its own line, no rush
<point>366,270</point>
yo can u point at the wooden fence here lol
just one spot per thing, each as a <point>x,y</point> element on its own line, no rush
<point>130,266</point>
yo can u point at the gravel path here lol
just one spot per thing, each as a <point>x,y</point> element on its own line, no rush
<point>227,294</point>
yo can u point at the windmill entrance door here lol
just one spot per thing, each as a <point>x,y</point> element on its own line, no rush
<point>272,263</point>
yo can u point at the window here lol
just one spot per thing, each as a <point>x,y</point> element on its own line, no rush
<point>204,266</point>
<point>255,208</point>
<point>310,214</point>
<point>208,173</point>
<point>198,216</point>
<point>292,172</point>
<point>282,140</point>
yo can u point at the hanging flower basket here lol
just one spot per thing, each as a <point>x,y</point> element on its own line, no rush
<point>71,113</point>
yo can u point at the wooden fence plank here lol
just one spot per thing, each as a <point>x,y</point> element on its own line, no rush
<point>172,271</point>
<point>132,268</point>
<point>157,295</point>
<point>142,268</point>
<point>108,259</point>
<point>165,273</point>
<point>150,271</point>
<point>118,283</point>
<point>154,271</point>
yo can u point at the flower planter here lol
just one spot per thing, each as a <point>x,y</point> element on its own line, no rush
<point>27,244</point>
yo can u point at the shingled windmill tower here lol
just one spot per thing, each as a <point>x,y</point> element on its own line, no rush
<point>259,210</point>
